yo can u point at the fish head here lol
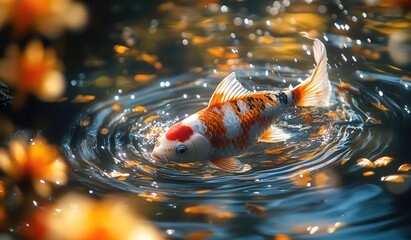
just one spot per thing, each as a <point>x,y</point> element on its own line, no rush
<point>182,144</point>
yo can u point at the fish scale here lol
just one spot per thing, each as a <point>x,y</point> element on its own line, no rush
<point>256,105</point>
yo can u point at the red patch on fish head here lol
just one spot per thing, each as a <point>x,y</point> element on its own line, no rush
<point>179,132</point>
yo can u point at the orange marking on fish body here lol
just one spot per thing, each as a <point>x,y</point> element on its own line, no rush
<point>252,122</point>
<point>215,127</point>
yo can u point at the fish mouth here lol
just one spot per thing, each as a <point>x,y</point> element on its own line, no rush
<point>158,158</point>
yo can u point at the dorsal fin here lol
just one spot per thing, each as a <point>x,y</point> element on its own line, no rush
<point>229,89</point>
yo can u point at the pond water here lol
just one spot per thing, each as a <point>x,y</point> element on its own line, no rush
<point>342,174</point>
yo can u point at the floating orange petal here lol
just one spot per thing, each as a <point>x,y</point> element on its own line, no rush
<point>368,173</point>
<point>120,49</point>
<point>117,174</point>
<point>364,162</point>
<point>394,178</point>
<point>142,167</point>
<point>143,77</point>
<point>199,235</point>
<point>152,196</point>
<point>231,55</point>
<point>197,40</point>
<point>216,51</point>
<point>186,165</point>
<point>83,98</point>
<point>202,191</point>
<point>140,109</point>
<point>203,209</point>
<point>131,163</point>
<point>404,167</point>
<point>85,122</point>
<point>344,86</point>
<point>103,131</point>
<point>383,161</point>
<point>144,177</point>
<point>380,106</point>
<point>224,215</point>
<point>151,59</point>
<point>158,65</point>
<point>344,161</point>
<point>373,120</point>
<point>151,118</point>
<point>265,39</point>
<point>116,107</point>
<point>257,209</point>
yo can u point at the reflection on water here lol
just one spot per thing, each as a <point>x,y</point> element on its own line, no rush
<point>343,174</point>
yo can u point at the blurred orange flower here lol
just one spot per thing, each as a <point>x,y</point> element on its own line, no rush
<point>35,70</point>
<point>78,217</point>
<point>49,17</point>
<point>3,215</point>
<point>37,161</point>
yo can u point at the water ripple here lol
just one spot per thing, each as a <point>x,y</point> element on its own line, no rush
<point>112,151</point>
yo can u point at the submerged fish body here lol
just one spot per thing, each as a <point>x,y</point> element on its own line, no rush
<point>236,119</point>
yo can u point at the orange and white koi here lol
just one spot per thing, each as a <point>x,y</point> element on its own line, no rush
<point>236,119</point>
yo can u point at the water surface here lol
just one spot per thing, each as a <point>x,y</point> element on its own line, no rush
<point>337,177</point>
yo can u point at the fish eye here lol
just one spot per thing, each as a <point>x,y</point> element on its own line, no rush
<point>181,149</point>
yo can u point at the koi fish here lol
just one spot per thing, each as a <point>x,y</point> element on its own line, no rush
<point>236,119</point>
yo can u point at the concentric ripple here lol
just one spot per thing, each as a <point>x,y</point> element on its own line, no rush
<point>109,145</point>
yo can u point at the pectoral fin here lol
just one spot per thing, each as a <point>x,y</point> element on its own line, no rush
<point>230,165</point>
<point>274,134</point>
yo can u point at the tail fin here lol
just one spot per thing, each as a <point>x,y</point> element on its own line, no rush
<point>316,89</point>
